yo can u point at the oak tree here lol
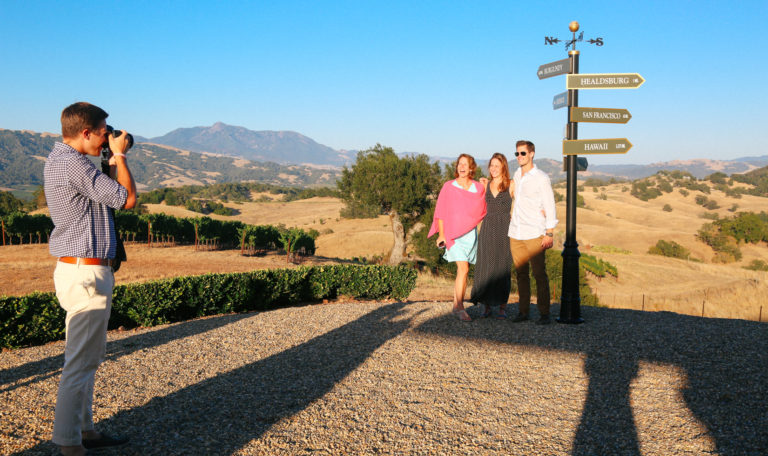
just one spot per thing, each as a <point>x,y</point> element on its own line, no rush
<point>381,182</point>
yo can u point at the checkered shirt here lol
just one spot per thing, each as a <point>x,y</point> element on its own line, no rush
<point>79,197</point>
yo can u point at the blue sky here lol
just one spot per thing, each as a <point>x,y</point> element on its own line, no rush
<point>440,78</point>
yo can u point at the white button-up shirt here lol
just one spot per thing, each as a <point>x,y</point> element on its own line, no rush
<point>533,194</point>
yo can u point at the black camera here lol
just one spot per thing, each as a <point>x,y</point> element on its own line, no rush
<point>115,133</point>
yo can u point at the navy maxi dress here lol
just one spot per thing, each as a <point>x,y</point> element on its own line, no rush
<point>493,270</point>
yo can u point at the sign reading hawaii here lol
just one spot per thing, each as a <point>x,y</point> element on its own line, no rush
<point>596,146</point>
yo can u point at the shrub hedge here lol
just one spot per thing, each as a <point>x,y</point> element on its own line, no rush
<point>37,318</point>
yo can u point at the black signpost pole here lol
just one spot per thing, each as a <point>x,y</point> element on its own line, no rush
<point>570,300</point>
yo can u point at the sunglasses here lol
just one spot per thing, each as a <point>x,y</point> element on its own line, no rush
<point>520,153</point>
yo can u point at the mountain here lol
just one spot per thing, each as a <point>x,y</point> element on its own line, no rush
<point>223,153</point>
<point>23,154</point>
<point>269,146</point>
<point>698,167</point>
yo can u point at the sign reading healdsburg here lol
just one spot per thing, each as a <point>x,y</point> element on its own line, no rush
<point>604,81</point>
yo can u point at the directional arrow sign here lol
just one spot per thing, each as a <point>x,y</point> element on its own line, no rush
<point>604,81</point>
<point>560,100</point>
<point>555,68</point>
<point>596,146</point>
<point>603,115</point>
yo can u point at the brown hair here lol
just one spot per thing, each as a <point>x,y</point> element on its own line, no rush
<point>472,166</point>
<point>504,170</point>
<point>528,144</point>
<point>80,116</point>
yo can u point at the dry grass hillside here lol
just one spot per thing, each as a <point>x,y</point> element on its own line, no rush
<point>613,221</point>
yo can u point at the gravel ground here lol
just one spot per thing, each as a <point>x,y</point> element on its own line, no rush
<point>408,378</point>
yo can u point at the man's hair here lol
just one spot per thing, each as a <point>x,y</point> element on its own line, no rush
<point>79,116</point>
<point>472,166</point>
<point>528,144</point>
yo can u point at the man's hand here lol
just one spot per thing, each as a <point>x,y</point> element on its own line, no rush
<point>118,145</point>
<point>547,242</point>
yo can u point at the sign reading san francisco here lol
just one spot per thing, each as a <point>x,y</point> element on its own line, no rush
<point>602,115</point>
<point>596,146</point>
<point>604,81</point>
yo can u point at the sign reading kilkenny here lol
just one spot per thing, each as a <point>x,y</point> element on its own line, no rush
<point>554,68</point>
<point>596,146</point>
<point>604,81</point>
<point>602,115</point>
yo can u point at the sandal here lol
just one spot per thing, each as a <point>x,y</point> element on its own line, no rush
<point>502,315</point>
<point>461,314</point>
<point>487,312</point>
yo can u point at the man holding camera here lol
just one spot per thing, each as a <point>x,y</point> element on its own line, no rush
<point>80,200</point>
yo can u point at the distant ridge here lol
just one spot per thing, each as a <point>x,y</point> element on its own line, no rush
<point>278,157</point>
<point>699,167</point>
<point>272,146</point>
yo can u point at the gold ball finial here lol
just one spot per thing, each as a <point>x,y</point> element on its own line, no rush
<point>573,26</point>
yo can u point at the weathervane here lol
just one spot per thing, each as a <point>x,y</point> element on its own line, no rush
<point>572,42</point>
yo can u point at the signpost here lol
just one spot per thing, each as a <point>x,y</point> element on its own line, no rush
<point>596,146</point>
<point>602,115</point>
<point>604,81</point>
<point>570,301</point>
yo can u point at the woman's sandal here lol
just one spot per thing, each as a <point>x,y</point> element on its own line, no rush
<point>488,311</point>
<point>502,315</point>
<point>461,314</point>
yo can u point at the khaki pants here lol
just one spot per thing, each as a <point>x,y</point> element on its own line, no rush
<point>85,292</point>
<point>525,252</point>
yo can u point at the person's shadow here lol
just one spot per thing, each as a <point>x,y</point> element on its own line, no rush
<point>726,363</point>
<point>40,370</point>
<point>222,414</point>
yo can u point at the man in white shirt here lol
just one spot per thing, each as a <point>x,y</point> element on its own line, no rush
<point>531,231</point>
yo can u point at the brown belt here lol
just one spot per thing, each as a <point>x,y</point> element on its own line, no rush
<point>87,261</point>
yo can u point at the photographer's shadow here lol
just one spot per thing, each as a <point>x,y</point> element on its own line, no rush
<point>36,371</point>
<point>722,359</point>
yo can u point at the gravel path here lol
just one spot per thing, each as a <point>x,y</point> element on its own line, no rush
<point>407,378</point>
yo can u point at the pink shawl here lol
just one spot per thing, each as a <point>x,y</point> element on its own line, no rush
<point>459,209</point>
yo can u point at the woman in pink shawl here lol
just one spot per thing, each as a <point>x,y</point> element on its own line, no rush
<point>460,209</point>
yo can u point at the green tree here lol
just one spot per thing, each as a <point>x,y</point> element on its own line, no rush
<point>669,249</point>
<point>401,187</point>
<point>9,203</point>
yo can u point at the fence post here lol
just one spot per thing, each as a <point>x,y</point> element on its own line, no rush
<point>643,308</point>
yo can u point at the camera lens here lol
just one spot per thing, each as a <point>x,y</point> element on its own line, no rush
<point>117,133</point>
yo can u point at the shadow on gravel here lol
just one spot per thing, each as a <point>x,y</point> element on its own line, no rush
<point>221,415</point>
<point>40,370</point>
<point>726,362</point>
